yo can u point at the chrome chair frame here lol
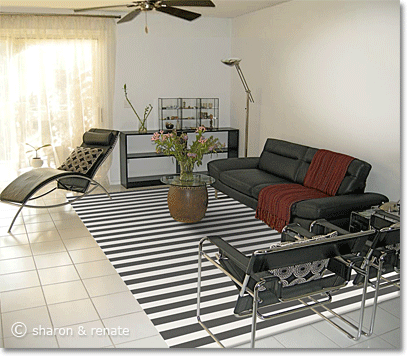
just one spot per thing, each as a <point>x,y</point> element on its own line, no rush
<point>369,260</point>
<point>254,293</point>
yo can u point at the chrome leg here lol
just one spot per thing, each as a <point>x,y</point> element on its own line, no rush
<point>15,217</point>
<point>377,288</point>
<point>200,252</point>
<point>254,315</point>
<point>93,182</point>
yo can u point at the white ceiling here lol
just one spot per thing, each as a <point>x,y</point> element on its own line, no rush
<point>223,8</point>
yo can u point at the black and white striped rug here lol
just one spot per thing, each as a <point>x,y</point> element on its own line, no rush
<point>157,259</point>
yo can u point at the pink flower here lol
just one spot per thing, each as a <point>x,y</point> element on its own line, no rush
<point>202,140</point>
<point>201,128</point>
<point>156,136</point>
<point>211,148</point>
<point>191,154</point>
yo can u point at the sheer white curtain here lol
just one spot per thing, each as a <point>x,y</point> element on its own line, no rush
<point>56,82</point>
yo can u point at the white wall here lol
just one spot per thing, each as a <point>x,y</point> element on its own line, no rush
<point>324,74</point>
<point>176,59</point>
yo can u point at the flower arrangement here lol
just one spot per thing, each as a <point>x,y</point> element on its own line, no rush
<point>176,145</point>
<point>148,109</point>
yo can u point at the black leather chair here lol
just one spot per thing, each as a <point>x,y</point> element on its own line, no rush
<point>380,255</point>
<point>261,284</point>
<point>76,174</point>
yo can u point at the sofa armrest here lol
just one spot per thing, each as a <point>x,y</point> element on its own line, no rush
<point>336,206</point>
<point>215,167</point>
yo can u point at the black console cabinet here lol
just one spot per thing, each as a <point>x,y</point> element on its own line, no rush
<point>140,181</point>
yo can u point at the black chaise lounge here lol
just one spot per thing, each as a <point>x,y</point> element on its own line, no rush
<point>76,174</point>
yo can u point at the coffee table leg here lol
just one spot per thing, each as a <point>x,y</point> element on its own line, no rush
<point>187,204</point>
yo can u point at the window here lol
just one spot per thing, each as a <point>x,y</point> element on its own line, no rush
<point>54,73</point>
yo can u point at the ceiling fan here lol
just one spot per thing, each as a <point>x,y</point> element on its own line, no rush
<point>158,5</point>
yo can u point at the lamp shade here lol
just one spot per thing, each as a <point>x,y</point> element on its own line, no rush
<point>231,61</point>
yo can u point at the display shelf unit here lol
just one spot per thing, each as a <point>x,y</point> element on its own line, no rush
<point>126,157</point>
<point>188,113</point>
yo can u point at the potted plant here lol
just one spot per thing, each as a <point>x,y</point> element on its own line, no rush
<point>36,161</point>
<point>176,144</point>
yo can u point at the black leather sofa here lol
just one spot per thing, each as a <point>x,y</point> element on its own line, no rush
<point>286,162</point>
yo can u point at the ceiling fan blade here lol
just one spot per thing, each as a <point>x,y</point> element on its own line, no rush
<point>183,14</point>
<point>101,7</point>
<point>188,3</point>
<point>130,16</point>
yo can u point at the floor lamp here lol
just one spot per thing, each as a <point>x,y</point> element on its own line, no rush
<point>235,62</point>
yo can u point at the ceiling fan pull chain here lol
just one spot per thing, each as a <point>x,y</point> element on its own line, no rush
<point>146,28</point>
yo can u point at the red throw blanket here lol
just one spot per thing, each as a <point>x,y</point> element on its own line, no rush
<point>327,171</point>
<point>323,178</point>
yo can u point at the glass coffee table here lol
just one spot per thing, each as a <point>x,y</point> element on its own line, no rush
<point>187,200</point>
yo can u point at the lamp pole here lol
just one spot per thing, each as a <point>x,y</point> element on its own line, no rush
<point>235,62</point>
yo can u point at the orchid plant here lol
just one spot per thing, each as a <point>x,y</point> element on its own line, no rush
<point>176,145</point>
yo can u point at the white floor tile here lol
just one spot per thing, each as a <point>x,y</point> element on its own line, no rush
<point>87,255</point>
<point>65,215</point>
<point>13,239</point>
<point>40,227</point>
<point>54,246</point>
<point>384,321</point>
<point>80,243</point>
<point>52,260</point>
<point>104,285</point>
<point>37,218</point>
<point>116,304</point>
<point>95,269</point>
<point>74,233</point>
<point>62,292</point>
<point>47,236</point>
<point>32,318</point>
<point>393,337</point>
<point>31,341</point>
<point>27,279</point>
<point>69,224</point>
<point>138,324</point>
<point>17,229</point>
<point>16,265</point>
<point>73,313</point>
<point>85,335</point>
<point>269,342</point>
<point>155,341</point>
<point>17,251</point>
<point>304,337</point>
<point>58,275</point>
<point>373,343</point>
<point>21,299</point>
<point>391,306</point>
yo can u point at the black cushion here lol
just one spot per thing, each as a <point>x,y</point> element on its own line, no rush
<point>282,158</point>
<point>332,207</point>
<point>215,167</point>
<point>92,138</point>
<point>245,180</point>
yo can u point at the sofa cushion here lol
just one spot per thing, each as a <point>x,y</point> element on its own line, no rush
<point>215,167</point>
<point>336,206</point>
<point>244,180</point>
<point>282,158</point>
